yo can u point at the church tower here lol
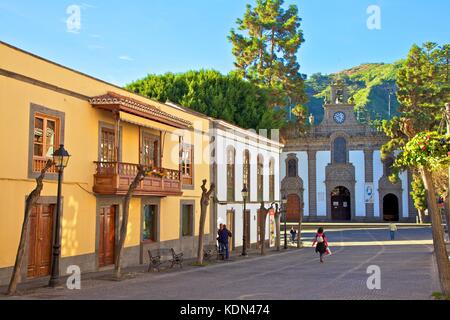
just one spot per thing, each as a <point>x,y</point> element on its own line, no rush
<point>339,108</point>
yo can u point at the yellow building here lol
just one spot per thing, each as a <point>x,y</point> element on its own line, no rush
<point>108,131</point>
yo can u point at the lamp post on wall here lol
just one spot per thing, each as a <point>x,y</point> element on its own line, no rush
<point>60,159</point>
<point>244,193</point>
<point>284,212</point>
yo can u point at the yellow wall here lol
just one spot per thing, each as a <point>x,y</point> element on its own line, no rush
<point>81,139</point>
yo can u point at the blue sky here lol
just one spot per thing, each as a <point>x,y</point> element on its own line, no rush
<point>120,41</point>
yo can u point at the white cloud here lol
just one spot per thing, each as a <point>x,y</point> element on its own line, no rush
<point>125,58</point>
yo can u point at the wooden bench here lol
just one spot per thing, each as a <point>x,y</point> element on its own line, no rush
<point>164,257</point>
<point>210,250</point>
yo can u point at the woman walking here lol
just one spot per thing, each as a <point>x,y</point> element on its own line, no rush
<point>322,244</point>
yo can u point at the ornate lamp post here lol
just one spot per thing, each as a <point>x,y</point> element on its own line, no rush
<point>283,211</point>
<point>60,159</point>
<point>244,193</point>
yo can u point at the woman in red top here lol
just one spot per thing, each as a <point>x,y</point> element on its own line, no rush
<point>322,243</point>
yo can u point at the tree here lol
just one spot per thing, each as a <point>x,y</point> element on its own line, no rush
<point>263,211</point>
<point>266,47</point>
<point>204,203</point>
<point>419,195</point>
<point>141,174</point>
<point>278,226</point>
<point>423,89</point>
<point>226,97</point>
<point>32,199</point>
<point>429,151</point>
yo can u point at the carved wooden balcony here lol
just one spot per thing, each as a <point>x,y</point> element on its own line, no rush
<point>114,178</point>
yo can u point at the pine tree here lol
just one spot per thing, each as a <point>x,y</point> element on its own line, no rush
<point>266,50</point>
<point>423,90</point>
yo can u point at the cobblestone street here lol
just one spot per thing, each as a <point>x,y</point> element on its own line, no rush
<point>407,272</point>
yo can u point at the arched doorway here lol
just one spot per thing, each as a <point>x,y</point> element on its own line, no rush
<point>340,204</point>
<point>390,208</point>
<point>293,208</point>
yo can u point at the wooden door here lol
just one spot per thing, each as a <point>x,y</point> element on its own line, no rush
<point>230,226</point>
<point>293,208</point>
<point>340,204</point>
<point>107,239</point>
<point>40,241</point>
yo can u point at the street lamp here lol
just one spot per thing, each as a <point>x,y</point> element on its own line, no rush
<point>60,159</point>
<point>244,193</point>
<point>283,210</point>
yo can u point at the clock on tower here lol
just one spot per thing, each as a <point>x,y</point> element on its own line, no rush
<point>339,117</point>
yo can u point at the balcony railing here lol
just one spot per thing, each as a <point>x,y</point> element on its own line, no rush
<point>114,178</point>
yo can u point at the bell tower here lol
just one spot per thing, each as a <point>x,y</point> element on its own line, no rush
<point>339,93</point>
<point>339,107</point>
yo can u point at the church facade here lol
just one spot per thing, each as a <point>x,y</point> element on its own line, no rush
<point>335,171</point>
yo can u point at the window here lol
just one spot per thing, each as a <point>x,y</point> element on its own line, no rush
<point>150,223</point>
<point>340,150</point>
<point>46,140</point>
<point>150,150</point>
<point>231,156</point>
<point>107,145</point>
<point>187,159</point>
<point>292,168</point>
<point>246,170</point>
<point>187,219</point>
<point>260,178</point>
<point>272,180</point>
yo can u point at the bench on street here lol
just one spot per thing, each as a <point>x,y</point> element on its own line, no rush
<point>164,257</point>
<point>211,250</point>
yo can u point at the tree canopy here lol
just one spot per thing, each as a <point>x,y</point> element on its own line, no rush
<point>226,97</point>
<point>265,47</point>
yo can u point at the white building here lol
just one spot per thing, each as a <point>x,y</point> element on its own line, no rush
<point>336,171</point>
<point>244,157</point>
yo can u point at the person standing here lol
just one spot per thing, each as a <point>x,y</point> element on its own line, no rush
<point>219,239</point>
<point>224,235</point>
<point>293,234</point>
<point>322,244</point>
<point>393,229</point>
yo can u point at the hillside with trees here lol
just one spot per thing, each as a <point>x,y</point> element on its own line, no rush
<point>369,84</point>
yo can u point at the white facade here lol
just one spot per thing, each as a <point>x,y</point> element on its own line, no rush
<point>229,137</point>
<point>357,159</point>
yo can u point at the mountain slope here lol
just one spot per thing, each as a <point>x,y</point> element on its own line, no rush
<point>369,84</point>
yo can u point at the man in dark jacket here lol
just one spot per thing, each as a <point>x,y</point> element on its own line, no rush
<point>223,239</point>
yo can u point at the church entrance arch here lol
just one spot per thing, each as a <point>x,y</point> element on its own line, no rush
<point>391,208</point>
<point>341,204</point>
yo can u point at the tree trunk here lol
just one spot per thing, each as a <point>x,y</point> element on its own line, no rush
<point>204,203</point>
<point>299,236</point>
<point>440,249</point>
<point>262,231</point>
<point>421,215</point>
<point>124,225</point>
<point>30,202</point>
<point>278,226</point>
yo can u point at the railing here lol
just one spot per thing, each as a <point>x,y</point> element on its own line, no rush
<point>116,177</point>
<point>39,164</point>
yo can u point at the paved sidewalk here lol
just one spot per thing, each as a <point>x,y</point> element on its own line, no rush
<point>407,272</point>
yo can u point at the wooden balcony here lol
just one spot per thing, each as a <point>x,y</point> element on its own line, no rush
<point>114,178</point>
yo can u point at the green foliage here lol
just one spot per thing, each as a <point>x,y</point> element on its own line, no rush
<point>440,296</point>
<point>423,82</point>
<point>418,193</point>
<point>369,85</point>
<point>265,47</point>
<point>423,85</point>
<point>225,97</point>
<point>426,149</point>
